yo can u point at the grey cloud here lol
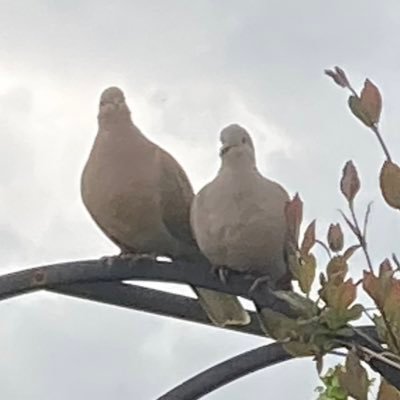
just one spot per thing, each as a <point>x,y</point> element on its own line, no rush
<point>15,157</point>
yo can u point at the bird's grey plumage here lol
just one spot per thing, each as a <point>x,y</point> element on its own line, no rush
<point>140,196</point>
<point>238,218</point>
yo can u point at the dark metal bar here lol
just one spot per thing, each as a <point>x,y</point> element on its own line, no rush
<point>149,300</point>
<point>228,371</point>
<point>117,269</point>
<point>99,280</point>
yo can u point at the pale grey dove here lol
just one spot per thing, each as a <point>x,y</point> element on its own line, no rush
<point>140,197</point>
<point>238,219</point>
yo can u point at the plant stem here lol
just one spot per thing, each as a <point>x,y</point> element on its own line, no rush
<point>380,357</point>
<point>322,244</point>
<point>361,238</point>
<point>396,261</point>
<point>375,129</point>
<point>353,91</point>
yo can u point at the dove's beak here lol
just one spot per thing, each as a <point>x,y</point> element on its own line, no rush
<point>224,149</point>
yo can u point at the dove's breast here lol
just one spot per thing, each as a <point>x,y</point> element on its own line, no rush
<point>243,225</point>
<point>119,189</point>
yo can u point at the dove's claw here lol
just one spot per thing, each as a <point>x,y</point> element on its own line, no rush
<point>257,282</point>
<point>136,256</point>
<point>109,260</point>
<point>222,272</point>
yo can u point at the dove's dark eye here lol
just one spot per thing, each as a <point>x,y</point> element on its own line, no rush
<point>244,140</point>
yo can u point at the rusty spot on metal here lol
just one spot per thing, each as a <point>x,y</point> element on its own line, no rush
<point>39,277</point>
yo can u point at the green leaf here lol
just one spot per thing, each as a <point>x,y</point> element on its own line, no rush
<point>299,349</point>
<point>306,273</point>
<point>277,325</point>
<point>306,307</point>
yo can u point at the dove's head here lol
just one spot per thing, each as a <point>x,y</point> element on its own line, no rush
<point>113,106</point>
<point>237,146</point>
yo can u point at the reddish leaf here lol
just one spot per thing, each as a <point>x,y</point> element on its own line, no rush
<point>337,268</point>
<point>355,380</point>
<point>335,237</point>
<point>385,270</point>
<point>339,295</point>
<point>385,266</point>
<point>390,184</point>
<point>306,273</point>
<point>388,392</point>
<point>338,76</point>
<point>372,287</point>
<point>357,109</point>
<point>294,216</point>
<point>308,239</point>
<point>350,183</point>
<point>391,307</point>
<point>379,288</point>
<point>347,294</point>
<point>328,294</point>
<point>341,74</point>
<point>371,101</point>
<point>350,251</point>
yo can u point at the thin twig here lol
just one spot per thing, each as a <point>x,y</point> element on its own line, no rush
<point>396,261</point>
<point>379,356</point>
<point>366,218</point>
<point>348,222</point>
<point>360,237</point>
<point>391,355</point>
<point>368,315</point>
<point>371,308</point>
<point>375,129</point>
<point>338,353</point>
<point>321,243</point>
<point>353,91</point>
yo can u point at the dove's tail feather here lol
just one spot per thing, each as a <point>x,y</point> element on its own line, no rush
<point>222,309</point>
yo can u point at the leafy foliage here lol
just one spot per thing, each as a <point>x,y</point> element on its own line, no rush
<point>323,320</point>
<point>332,389</point>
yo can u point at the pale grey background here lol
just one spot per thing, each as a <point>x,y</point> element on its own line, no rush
<point>188,68</point>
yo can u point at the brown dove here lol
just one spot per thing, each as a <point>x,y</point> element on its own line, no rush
<point>140,197</point>
<point>238,219</point>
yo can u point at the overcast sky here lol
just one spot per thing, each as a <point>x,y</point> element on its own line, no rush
<point>188,68</point>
